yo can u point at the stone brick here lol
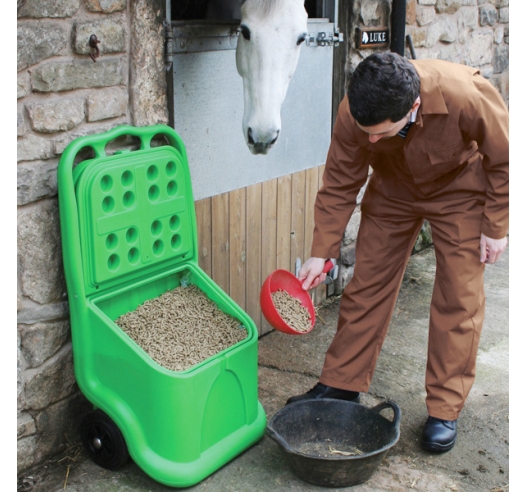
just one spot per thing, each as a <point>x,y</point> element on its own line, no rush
<point>110,34</point>
<point>21,127</point>
<point>51,382</point>
<point>148,91</point>
<point>344,276</point>
<point>38,9</point>
<point>419,38</point>
<point>106,6</point>
<point>501,3</point>
<point>56,425</point>
<point>347,255</point>
<point>411,9</point>
<point>31,312</point>
<point>62,419</point>
<point>32,147</point>
<point>19,373</point>
<point>501,82</point>
<point>65,76</point>
<point>28,453</point>
<point>108,103</point>
<point>500,59</point>
<point>25,425</point>
<point>352,228</point>
<point>62,140</point>
<point>375,13</point>
<point>499,34</point>
<point>36,180</point>
<point>480,48</point>
<point>504,15</point>
<point>450,52</point>
<point>424,239</point>
<point>488,15</point>
<point>449,31</point>
<point>427,2</point>
<point>38,42</point>
<point>23,85</point>
<point>442,30</point>
<point>40,252</point>
<point>43,340</point>
<point>425,15</point>
<point>58,115</point>
<point>448,6</point>
<point>487,71</point>
<point>468,17</point>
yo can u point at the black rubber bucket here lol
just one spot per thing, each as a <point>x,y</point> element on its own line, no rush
<point>334,443</point>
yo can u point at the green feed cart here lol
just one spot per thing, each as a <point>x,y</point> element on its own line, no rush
<point>129,235</point>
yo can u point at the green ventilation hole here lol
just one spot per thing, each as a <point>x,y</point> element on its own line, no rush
<point>153,192</point>
<point>111,241</point>
<point>170,168</point>
<point>158,247</point>
<point>133,255</point>
<point>131,235</point>
<point>127,178</point>
<point>175,242</point>
<point>171,188</point>
<point>106,183</point>
<point>128,199</point>
<point>174,222</point>
<point>151,173</point>
<point>156,228</point>
<point>113,262</point>
<point>108,204</point>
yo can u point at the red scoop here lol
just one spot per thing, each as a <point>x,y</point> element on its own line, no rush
<point>286,281</point>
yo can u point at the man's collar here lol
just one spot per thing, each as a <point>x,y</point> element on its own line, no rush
<point>432,101</point>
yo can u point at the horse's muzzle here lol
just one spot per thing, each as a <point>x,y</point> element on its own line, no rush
<point>260,146</point>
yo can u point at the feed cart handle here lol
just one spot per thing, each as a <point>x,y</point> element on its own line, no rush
<point>66,188</point>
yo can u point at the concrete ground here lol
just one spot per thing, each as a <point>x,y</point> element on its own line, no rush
<point>290,365</point>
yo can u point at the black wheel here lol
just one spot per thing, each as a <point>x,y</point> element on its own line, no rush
<point>103,440</point>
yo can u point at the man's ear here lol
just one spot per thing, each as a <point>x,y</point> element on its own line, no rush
<point>416,104</point>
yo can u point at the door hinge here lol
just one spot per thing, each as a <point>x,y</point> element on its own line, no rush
<point>169,44</point>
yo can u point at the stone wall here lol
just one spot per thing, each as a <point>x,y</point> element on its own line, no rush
<point>63,94</point>
<point>471,32</point>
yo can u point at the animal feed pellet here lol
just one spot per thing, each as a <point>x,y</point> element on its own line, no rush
<point>181,328</point>
<point>291,311</point>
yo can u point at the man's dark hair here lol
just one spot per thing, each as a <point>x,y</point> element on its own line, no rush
<point>383,87</point>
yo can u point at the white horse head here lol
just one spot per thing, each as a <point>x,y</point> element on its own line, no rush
<point>271,34</point>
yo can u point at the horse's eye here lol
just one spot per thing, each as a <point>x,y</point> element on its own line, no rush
<point>301,39</point>
<point>245,32</point>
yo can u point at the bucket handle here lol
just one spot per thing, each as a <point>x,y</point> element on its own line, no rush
<point>396,411</point>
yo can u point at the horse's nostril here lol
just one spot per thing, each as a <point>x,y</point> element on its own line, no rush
<point>273,141</point>
<point>250,136</point>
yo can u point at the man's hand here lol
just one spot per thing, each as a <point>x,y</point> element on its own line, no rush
<point>311,273</point>
<point>491,249</point>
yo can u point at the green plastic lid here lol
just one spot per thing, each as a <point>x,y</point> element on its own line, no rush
<point>136,215</point>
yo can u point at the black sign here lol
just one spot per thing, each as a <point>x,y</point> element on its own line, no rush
<point>367,38</point>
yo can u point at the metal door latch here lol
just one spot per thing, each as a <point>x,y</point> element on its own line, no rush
<point>325,39</point>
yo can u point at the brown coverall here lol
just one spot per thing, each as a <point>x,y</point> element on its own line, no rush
<point>451,169</point>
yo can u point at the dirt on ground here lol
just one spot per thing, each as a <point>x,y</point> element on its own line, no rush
<point>289,365</point>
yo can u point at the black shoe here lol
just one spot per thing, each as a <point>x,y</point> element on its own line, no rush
<point>439,435</point>
<point>320,391</point>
